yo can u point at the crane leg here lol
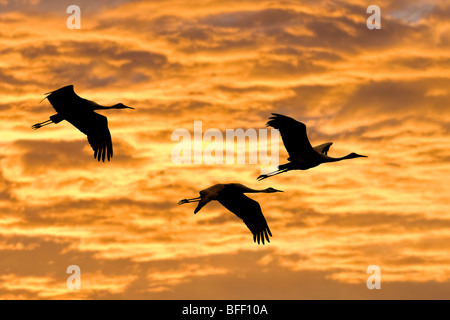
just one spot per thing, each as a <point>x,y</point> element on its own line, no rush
<point>189,200</point>
<point>270,174</point>
<point>41,124</point>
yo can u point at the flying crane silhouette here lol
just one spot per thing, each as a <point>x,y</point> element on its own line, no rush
<point>302,155</point>
<point>231,196</point>
<point>80,113</point>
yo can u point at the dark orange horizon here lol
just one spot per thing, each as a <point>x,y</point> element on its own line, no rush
<point>230,64</point>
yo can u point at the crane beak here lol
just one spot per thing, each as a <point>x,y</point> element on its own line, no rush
<point>278,190</point>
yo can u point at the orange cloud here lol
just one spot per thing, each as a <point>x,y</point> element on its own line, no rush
<point>383,93</point>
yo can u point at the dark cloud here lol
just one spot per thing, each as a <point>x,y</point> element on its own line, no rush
<point>389,97</point>
<point>307,99</point>
<point>93,64</point>
<point>229,68</point>
<point>266,18</point>
<point>269,69</point>
<point>244,281</point>
<point>39,156</point>
<point>273,27</point>
<point>312,55</point>
<point>58,7</point>
<point>7,76</point>
<point>88,211</point>
<point>37,52</point>
<point>405,222</point>
<point>6,188</point>
<point>105,50</point>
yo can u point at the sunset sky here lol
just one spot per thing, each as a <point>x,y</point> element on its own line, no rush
<point>230,64</point>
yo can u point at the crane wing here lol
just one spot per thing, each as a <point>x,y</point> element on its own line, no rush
<point>64,100</point>
<point>294,135</point>
<point>95,126</point>
<point>208,195</point>
<point>323,148</point>
<point>250,212</point>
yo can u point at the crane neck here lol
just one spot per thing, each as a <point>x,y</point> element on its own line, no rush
<point>100,107</point>
<point>257,191</point>
<point>332,159</point>
<point>250,190</point>
<point>244,189</point>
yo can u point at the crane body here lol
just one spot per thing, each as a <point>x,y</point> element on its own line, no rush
<point>231,196</point>
<point>81,114</point>
<point>302,155</point>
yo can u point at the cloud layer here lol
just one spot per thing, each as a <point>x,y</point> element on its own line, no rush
<point>383,93</point>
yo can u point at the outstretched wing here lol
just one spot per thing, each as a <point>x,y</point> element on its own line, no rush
<point>95,126</point>
<point>250,212</point>
<point>323,148</point>
<point>293,134</point>
<point>64,100</point>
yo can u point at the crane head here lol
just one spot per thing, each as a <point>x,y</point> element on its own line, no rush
<point>121,106</point>
<point>355,155</point>
<point>272,190</point>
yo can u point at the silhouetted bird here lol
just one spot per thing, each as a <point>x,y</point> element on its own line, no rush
<point>231,196</point>
<point>80,113</point>
<point>302,155</point>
